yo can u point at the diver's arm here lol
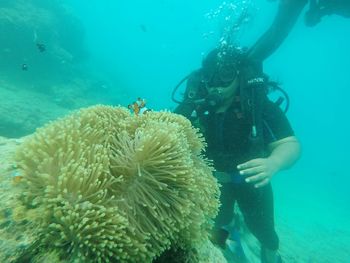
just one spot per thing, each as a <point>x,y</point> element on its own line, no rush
<point>287,15</point>
<point>284,152</point>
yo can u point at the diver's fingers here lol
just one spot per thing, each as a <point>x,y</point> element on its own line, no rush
<point>256,178</point>
<point>250,164</point>
<point>262,183</point>
<point>252,171</point>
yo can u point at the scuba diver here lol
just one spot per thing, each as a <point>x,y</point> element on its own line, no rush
<point>248,138</point>
<point>286,17</point>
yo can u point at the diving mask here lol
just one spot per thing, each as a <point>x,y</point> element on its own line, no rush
<point>221,66</point>
<point>221,76</point>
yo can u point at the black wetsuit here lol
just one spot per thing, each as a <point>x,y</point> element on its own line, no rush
<point>227,135</point>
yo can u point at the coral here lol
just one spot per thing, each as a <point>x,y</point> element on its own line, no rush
<point>107,186</point>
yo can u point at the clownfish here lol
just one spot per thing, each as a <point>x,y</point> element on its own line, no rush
<point>138,107</point>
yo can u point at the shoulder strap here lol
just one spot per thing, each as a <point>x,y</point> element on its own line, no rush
<point>253,92</point>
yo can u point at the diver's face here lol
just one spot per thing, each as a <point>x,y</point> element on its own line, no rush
<point>226,93</point>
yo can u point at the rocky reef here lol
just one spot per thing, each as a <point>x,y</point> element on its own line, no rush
<point>42,38</point>
<point>43,66</point>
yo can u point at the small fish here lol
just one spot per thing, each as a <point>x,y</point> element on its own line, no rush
<point>16,176</point>
<point>41,47</point>
<point>16,179</point>
<point>138,107</point>
<point>24,67</point>
<point>143,28</point>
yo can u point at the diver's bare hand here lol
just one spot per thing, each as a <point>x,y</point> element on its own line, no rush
<point>258,171</point>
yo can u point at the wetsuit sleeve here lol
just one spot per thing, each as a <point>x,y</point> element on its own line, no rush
<point>275,123</point>
<point>287,15</point>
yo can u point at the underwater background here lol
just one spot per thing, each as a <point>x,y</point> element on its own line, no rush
<point>57,56</point>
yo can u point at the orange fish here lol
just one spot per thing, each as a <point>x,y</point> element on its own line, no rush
<point>16,179</point>
<point>138,107</point>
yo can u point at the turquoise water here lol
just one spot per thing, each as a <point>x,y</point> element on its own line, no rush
<point>116,51</point>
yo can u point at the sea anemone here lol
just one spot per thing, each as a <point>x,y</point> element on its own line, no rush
<point>109,186</point>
